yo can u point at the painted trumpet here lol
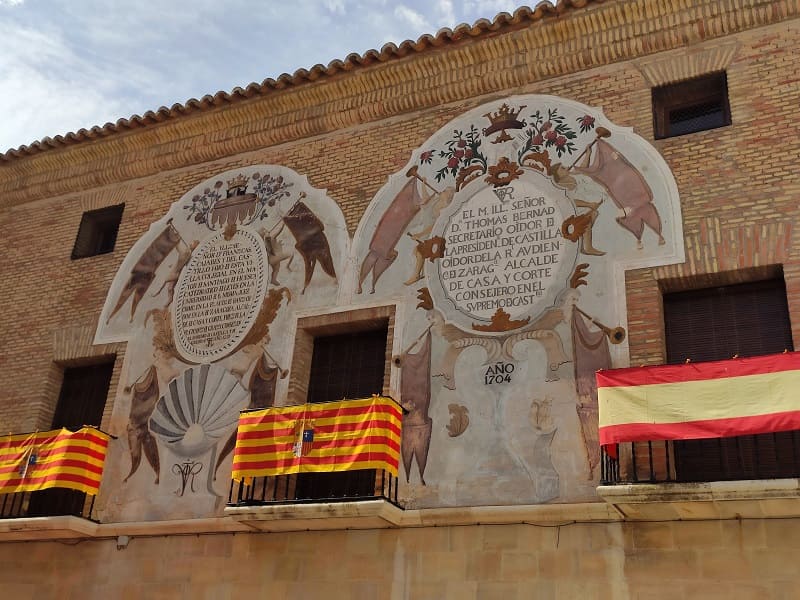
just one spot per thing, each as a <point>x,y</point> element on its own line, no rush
<point>615,335</point>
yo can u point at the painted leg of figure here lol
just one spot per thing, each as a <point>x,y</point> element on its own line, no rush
<point>447,366</point>
<point>420,264</point>
<point>586,240</point>
<point>151,452</point>
<point>275,265</point>
<point>135,446</point>
<point>632,223</point>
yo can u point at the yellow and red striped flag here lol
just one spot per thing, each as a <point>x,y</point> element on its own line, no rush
<point>740,396</point>
<point>331,436</point>
<point>58,458</point>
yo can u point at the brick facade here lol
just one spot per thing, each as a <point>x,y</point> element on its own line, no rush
<point>349,130</point>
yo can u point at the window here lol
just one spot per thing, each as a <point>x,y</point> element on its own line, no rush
<point>344,366</point>
<point>714,324</point>
<point>690,106</point>
<point>81,402</point>
<point>349,365</point>
<point>83,396</point>
<point>97,232</point>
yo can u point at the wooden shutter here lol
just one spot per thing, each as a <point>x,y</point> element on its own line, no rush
<point>348,366</point>
<point>717,323</point>
<point>344,366</point>
<point>83,396</point>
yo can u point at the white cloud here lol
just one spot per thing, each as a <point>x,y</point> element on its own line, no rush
<point>444,10</point>
<point>412,17</point>
<point>67,65</point>
<point>334,6</point>
<point>488,9</point>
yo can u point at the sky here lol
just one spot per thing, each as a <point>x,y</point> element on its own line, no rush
<point>72,64</point>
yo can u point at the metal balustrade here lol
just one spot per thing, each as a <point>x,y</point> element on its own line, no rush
<point>764,456</point>
<point>352,486</point>
<point>52,502</point>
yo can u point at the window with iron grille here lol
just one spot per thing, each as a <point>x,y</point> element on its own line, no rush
<point>714,324</point>
<point>344,366</point>
<point>689,106</point>
<point>97,233</point>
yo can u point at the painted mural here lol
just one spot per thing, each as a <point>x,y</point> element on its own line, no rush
<point>506,238</point>
<point>502,245</point>
<point>204,300</point>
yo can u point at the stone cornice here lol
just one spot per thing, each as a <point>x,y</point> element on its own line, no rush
<point>600,34</point>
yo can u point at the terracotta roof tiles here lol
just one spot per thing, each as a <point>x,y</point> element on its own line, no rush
<point>482,27</point>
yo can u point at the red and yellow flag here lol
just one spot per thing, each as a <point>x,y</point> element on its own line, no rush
<point>58,458</point>
<point>332,436</point>
<point>740,396</point>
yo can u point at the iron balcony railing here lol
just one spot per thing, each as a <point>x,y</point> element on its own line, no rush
<point>764,456</point>
<point>350,486</point>
<point>47,503</point>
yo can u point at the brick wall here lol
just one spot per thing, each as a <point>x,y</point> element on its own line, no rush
<point>737,185</point>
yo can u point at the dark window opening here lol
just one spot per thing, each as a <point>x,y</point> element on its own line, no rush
<point>83,396</point>
<point>97,233</point>
<point>348,366</point>
<point>747,319</point>
<point>689,106</point>
<point>81,402</point>
<point>344,366</point>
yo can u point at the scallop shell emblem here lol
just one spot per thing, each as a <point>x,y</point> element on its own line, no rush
<point>201,406</point>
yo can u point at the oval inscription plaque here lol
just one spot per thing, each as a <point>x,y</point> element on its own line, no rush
<point>219,294</point>
<point>503,252</point>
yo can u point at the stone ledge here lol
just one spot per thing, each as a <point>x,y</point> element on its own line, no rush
<point>776,498</point>
<point>46,528</point>
<point>747,499</point>
<point>323,516</point>
<point>381,514</point>
<point>369,514</point>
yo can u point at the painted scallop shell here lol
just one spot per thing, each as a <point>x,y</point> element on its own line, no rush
<point>201,406</point>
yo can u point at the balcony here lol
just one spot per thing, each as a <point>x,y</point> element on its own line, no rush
<point>765,456</point>
<point>707,440</point>
<point>48,483</point>
<point>47,503</point>
<point>359,499</point>
<point>353,486</point>
<point>332,463</point>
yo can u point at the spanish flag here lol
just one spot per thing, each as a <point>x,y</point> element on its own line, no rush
<point>60,458</point>
<point>740,396</point>
<point>332,436</point>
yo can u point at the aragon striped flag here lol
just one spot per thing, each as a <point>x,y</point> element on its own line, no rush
<point>58,458</point>
<point>323,437</point>
<point>740,396</point>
